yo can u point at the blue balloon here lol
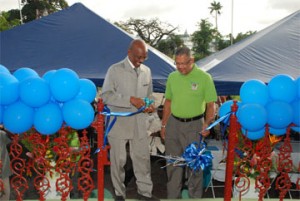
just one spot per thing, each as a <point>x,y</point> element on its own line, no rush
<point>24,73</point>
<point>1,114</point>
<point>254,91</point>
<point>252,117</point>
<point>48,75</point>
<point>225,108</point>
<point>9,89</point>
<point>48,119</point>
<point>34,92</point>
<point>296,112</point>
<point>3,69</point>
<point>277,131</point>
<point>298,86</point>
<point>254,135</point>
<point>87,90</point>
<point>18,117</point>
<point>78,114</point>
<point>280,114</point>
<point>64,85</point>
<point>282,88</point>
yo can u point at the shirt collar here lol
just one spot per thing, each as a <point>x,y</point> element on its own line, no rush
<point>132,66</point>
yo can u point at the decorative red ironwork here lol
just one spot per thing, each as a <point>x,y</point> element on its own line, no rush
<point>40,164</point>
<point>285,165</point>
<point>102,158</point>
<point>264,163</point>
<point>17,165</point>
<point>63,164</point>
<point>232,139</point>
<point>85,167</point>
<point>242,182</point>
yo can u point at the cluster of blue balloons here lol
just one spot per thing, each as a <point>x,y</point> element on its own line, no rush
<point>276,104</point>
<point>46,102</point>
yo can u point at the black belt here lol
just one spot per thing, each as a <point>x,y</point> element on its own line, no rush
<point>189,119</point>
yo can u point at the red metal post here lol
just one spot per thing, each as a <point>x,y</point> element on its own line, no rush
<point>102,155</point>
<point>232,138</point>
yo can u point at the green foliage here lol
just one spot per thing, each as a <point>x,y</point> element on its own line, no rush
<point>168,46</point>
<point>35,9</point>
<point>202,38</point>
<point>9,19</point>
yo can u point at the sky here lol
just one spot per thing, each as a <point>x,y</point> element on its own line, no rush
<point>248,15</point>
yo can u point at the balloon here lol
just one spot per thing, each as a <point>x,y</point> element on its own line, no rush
<point>298,86</point>
<point>78,114</point>
<point>280,114</point>
<point>254,135</point>
<point>24,73</point>
<point>254,91</point>
<point>48,75</point>
<point>1,114</point>
<point>252,117</point>
<point>48,119</point>
<point>18,117</point>
<point>9,89</point>
<point>277,131</point>
<point>87,90</point>
<point>64,84</point>
<point>34,92</point>
<point>3,69</point>
<point>296,112</point>
<point>225,108</point>
<point>282,88</point>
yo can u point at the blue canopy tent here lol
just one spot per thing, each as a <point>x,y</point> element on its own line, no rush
<point>78,39</point>
<point>272,51</point>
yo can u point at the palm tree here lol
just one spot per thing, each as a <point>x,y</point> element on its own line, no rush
<point>216,7</point>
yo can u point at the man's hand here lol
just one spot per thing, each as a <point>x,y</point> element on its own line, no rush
<point>137,102</point>
<point>149,109</point>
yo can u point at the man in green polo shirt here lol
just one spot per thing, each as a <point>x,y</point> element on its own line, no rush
<point>189,108</point>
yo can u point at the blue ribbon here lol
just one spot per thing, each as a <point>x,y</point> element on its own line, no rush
<point>196,158</point>
<point>195,155</point>
<point>108,125</point>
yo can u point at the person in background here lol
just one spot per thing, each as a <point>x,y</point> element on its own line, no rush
<point>125,85</point>
<point>189,108</point>
<point>6,171</point>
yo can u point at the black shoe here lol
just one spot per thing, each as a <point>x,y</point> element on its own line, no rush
<point>142,197</point>
<point>119,198</point>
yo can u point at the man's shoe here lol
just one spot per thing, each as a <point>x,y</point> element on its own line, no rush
<point>142,197</point>
<point>119,198</point>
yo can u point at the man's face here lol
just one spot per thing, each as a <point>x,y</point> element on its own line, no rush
<point>137,56</point>
<point>184,64</point>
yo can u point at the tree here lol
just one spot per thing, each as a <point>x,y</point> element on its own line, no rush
<point>35,9</point>
<point>202,39</point>
<point>151,31</point>
<point>242,36</point>
<point>169,45</point>
<point>216,7</point>
<point>9,19</point>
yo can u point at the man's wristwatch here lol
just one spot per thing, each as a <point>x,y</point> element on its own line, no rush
<point>163,126</point>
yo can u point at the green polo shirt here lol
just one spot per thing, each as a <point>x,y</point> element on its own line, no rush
<point>190,93</point>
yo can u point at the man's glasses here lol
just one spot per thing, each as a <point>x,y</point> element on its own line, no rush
<point>183,63</point>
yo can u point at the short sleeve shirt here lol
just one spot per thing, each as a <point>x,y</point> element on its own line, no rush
<point>190,93</point>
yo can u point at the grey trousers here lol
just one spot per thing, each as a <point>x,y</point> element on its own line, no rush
<point>178,136</point>
<point>5,196</point>
<point>140,156</point>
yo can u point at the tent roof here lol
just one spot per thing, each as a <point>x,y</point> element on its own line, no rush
<point>78,39</point>
<point>274,50</point>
